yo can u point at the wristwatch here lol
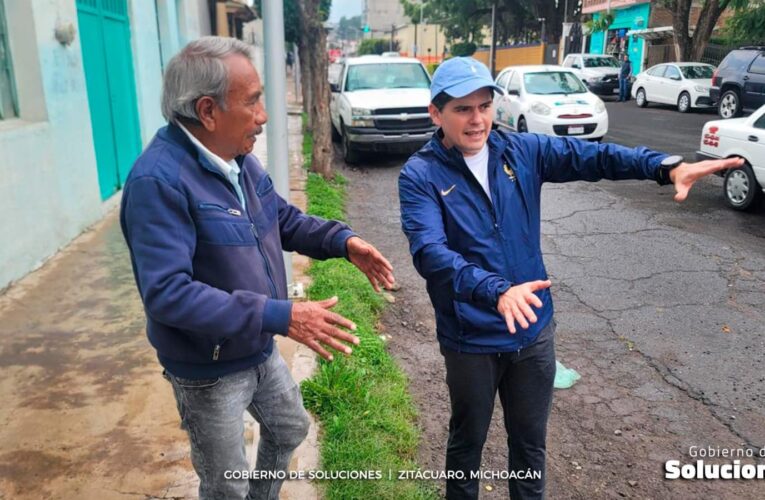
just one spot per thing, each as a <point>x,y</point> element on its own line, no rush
<point>666,165</point>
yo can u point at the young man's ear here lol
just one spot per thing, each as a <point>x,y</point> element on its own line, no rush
<point>435,114</point>
<point>205,108</point>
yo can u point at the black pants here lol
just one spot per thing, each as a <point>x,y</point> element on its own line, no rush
<point>524,381</point>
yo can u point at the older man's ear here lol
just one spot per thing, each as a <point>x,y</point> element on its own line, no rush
<point>206,107</point>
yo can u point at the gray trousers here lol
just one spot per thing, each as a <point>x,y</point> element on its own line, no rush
<point>212,412</point>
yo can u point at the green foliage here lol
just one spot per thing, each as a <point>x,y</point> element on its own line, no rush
<point>376,46</point>
<point>746,25</point>
<point>432,67</point>
<point>600,24</point>
<point>366,413</point>
<point>349,28</point>
<point>463,49</point>
<point>292,30</point>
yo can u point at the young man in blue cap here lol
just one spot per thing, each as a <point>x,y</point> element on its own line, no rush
<point>470,207</point>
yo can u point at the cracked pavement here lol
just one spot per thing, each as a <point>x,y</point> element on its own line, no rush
<point>659,307</point>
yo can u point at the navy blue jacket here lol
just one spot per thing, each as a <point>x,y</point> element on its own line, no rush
<point>210,273</point>
<point>470,249</point>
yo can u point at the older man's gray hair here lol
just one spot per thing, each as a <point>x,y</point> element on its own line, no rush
<point>198,70</point>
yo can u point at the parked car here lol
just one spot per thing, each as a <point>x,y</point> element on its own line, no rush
<point>548,100</point>
<point>685,85</point>
<point>380,104</point>
<point>600,72</point>
<point>738,85</point>
<point>743,137</point>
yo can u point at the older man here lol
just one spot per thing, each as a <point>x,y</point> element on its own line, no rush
<point>206,231</point>
<point>470,206</point>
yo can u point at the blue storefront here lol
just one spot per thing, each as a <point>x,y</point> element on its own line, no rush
<point>616,41</point>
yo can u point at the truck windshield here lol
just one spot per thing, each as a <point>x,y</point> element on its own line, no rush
<point>600,62</point>
<point>386,76</point>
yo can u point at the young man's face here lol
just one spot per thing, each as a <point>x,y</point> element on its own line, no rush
<point>466,122</point>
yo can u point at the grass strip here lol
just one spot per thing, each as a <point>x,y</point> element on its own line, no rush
<point>367,416</point>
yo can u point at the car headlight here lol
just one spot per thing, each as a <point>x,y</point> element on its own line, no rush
<point>540,108</point>
<point>599,106</point>
<point>701,89</point>
<point>359,117</point>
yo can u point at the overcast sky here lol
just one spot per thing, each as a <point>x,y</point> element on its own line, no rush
<point>347,8</point>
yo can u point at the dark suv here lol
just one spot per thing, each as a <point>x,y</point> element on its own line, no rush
<point>739,83</point>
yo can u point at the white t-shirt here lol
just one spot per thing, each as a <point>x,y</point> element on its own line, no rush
<point>479,166</point>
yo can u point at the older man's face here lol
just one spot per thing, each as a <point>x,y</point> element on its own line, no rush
<point>245,113</point>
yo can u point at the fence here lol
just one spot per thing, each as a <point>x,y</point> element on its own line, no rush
<point>513,56</point>
<point>713,54</point>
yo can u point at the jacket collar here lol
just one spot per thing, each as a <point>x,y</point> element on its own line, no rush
<point>175,135</point>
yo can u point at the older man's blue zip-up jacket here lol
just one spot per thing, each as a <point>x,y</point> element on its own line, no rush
<point>210,272</point>
<point>470,249</point>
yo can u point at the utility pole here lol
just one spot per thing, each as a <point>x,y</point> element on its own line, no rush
<point>492,49</point>
<point>276,103</point>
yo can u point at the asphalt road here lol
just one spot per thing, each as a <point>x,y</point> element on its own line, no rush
<point>685,283</point>
<point>660,306</point>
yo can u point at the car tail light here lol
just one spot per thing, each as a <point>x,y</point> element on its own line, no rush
<point>715,83</point>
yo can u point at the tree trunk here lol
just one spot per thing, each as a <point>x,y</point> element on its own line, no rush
<point>318,111</point>
<point>305,74</point>
<point>681,10</point>
<point>708,17</point>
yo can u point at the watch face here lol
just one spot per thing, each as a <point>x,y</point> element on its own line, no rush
<point>672,161</point>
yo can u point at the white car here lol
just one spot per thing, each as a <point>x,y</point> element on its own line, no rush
<point>380,104</point>
<point>685,85</point>
<point>742,137</point>
<point>600,72</point>
<point>548,100</point>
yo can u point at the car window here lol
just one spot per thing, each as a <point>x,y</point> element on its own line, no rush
<point>760,123</point>
<point>737,61</point>
<point>503,79</point>
<point>758,66</point>
<point>553,82</point>
<point>672,72</point>
<point>515,82</point>
<point>600,62</point>
<point>697,72</point>
<point>386,76</point>
<point>657,70</point>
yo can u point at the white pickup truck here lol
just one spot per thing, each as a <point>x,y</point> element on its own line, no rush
<point>380,104</point>
<point>743,137</point>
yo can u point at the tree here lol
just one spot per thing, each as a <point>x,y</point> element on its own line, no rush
<point>376,46</point>
<point>747,25</point>
<point>312,45</point>
<point>349,28</point>
<point>304,26</point>
<point>691,47</point>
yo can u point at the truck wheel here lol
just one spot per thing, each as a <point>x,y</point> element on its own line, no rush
<point>730,105</point>
<point>350,155</point>
<point>335,134</point>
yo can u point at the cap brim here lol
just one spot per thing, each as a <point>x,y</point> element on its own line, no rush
<point>470,86</point>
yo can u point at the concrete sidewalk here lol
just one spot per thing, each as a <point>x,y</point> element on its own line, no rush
<point>86,412</point>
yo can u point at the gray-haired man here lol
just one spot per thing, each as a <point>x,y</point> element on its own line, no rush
<point>206,231</point>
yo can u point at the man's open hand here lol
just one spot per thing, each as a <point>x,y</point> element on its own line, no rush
<point>313,324</point>
<point>370,262</point>
<point>515,304</point>
<point>685,174</point>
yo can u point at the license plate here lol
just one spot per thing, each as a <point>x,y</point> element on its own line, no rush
<point>575,130</point>
<point>616,91</point>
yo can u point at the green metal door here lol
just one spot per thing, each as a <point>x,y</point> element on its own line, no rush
<point>105,38</point>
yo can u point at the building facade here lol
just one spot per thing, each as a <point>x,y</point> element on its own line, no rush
<point>81,87</point>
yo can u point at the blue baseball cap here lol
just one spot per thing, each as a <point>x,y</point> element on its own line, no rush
<point>460,76</point>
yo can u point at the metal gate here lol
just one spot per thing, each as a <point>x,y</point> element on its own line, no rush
<point>107,57</point>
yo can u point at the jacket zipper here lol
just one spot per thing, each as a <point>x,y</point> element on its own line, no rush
<point>220,208</point>
<point>265,260</point>
<point>216,350</point>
